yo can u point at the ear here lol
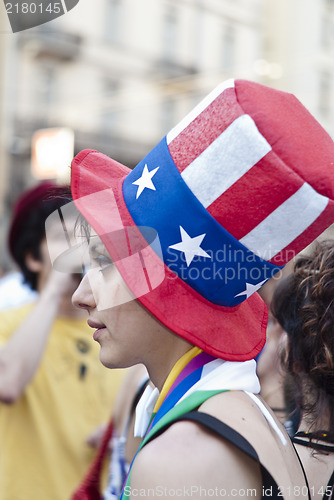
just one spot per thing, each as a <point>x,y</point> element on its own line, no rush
<point>34,265</point>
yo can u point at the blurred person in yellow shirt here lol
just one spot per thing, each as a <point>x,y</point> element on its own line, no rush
<point>53,389</point>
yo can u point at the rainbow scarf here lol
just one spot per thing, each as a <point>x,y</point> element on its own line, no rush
<point>196,377</point>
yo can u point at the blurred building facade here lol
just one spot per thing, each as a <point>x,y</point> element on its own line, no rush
<point>299,38</point>
<point>121,73</point>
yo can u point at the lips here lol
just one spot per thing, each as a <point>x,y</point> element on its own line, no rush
<point>93,324</point>
<point>97,326</point>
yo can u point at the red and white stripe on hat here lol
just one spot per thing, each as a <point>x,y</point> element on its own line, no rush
<point>260,189</point>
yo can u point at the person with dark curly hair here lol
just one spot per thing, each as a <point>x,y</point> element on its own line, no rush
<point>303,304</point>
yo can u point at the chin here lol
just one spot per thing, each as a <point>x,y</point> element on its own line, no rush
<point>105,360</point>
<point>108,360</point>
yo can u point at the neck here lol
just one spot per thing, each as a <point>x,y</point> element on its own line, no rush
<point>319,424</point>
<point>159,369</point>
<point>320,418</point>
<point>272,392</point>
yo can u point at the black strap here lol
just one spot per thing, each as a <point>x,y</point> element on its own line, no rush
<point>324,445</point>
<point>329,492</point>
<point>315,445</point>
<point>134,403</point>
<point>330,489</point>
<point>226,432</point>
<point>138,395</point>
<point>304,472</point>
<point>223,430</point>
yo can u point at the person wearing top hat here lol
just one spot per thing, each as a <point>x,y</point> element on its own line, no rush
<point>53,389</point>
<point>174,254</point>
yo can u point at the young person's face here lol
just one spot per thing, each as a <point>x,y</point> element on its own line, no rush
<point>126,332</point>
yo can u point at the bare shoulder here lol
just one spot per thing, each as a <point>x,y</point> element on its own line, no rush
<point>250,416</point>
<point>234,407</point>
<point>186,457</point>
<point>255,421</point>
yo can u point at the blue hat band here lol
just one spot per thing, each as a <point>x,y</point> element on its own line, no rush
<point>194,245</point>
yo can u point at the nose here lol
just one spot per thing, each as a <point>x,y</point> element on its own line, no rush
<point>83,297</point>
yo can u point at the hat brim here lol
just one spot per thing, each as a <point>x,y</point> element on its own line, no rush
<point>232,333</point>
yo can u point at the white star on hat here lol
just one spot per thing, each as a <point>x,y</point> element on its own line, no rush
<point>250,289</point>
<point>145,180</point>
<point>190,246</point>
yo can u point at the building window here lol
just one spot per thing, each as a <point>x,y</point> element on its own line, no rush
<point>113,20</point>
<point>169,42</point>
<point>45,88</point>
<point>110,112</point>
<point>228,48</point>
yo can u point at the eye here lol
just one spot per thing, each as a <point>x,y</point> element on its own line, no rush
<point>103,261</point>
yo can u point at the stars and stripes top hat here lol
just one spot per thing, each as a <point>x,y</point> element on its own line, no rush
<point>243,183</point>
